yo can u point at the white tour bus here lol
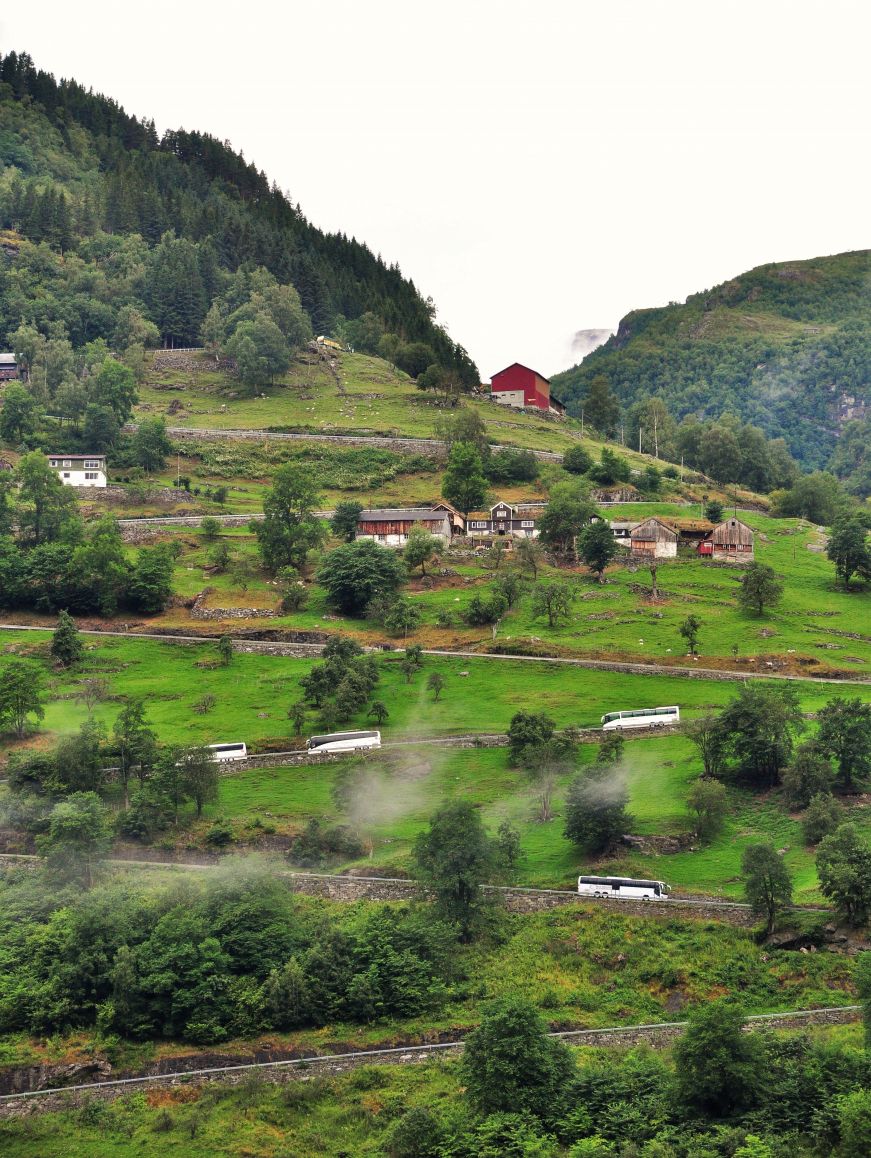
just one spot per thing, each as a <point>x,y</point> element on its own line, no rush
<point>643,718</point>
<point>618,887</point>
<point>345,742</point>
<point>223,752</point>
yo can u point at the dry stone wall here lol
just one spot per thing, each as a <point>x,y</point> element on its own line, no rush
<point>431,446</point>
<point>517,900</point>
<point>301,1069</point>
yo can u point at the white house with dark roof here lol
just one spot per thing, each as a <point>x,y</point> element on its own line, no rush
<point>79,470</point>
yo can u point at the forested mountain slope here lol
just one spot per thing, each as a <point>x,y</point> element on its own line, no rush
<point>786,346</point>
<point>102,215</point>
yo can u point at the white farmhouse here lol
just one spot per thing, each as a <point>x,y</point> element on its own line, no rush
<point>80,470</point>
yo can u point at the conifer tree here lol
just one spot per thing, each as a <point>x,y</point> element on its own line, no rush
<point>66,643</point>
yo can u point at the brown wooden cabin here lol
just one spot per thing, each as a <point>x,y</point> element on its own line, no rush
<point>732,540</point>
<point>457,519</point>
<point>653,539</point>
<point>391,527</point>
<point>8,368</point>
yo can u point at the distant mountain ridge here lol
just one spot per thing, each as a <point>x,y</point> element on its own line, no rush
<point>786,346</point>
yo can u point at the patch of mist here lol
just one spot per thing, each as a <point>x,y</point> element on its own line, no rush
<point>583,342</point>
<point>606,786</point>
<point>394,784</point>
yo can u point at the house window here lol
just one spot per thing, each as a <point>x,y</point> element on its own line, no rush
<point>479,526</point>
<point>90,474</point>
<point>527,523</point>
<point>67,462</point>
<point>92,466</point>
<point>66,474</point>
<point>54,462</point>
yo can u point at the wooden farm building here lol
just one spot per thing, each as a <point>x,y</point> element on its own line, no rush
<point>731,540</point>
<point>503,519</point>
<point>458,521</point>
<point>653,539</point>
<point>8,367</point>
<point>523,388</point>
<point>392,527</point>
<point>690,531</point>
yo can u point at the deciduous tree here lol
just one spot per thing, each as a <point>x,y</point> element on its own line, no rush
<point>530,555</point>
<point>597,547</point>
<point>844,869</point>
<point>760,589</point>
<point>845,736</point>
<point>567,513</point>
<point>345,519</point>
<point>595,809</point>
<point>464,484</point>
<point>848,547</point>
<point>22,694</point>
<point>419,548</point>
<point>708,805</point>
<point>576,460</point>
<point>45,506</point>
<point>290,527</point>
<point>718,1066</point>
<point>453,858</point>
<point>356,573</point>
<point>150,445</point>
<point>553,601</point>
<point>79,834</point>
<point>690,629</point>
<point>809,774</point>
<point>758,729</point>
<point>823,816</point>
<point>20,414</point>
<point>136,743</point>
<point>767,884</point>
<point>200,776</point>
<point>511,1063</point>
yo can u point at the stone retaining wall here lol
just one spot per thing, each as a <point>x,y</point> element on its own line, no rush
<point>517,900</point>
<point>198,611</point>
<point>430,446</point>
<point>281,1072</point>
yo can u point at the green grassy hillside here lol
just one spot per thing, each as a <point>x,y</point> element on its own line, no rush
<point>347,394</point>
<point>785,346</point>
<point>388,798</point>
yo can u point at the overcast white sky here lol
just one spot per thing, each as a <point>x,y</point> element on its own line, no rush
<point>539,169</point>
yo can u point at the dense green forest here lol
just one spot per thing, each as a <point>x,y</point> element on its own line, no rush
<point>103,218</point>
<point>784,347</point>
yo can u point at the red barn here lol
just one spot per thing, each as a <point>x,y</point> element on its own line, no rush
<point>519,386</point>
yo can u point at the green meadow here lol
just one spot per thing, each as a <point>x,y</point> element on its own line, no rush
<point>389,796</point>
<point>364,396</point>
<point>817,627</point>
<point>252,694</point>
